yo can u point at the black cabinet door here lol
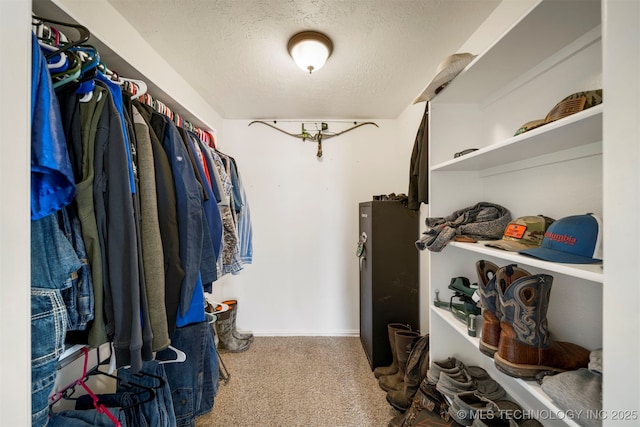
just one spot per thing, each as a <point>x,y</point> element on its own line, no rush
<point>389,279</point>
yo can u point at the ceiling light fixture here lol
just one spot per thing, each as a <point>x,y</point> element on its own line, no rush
<point>310,50</point>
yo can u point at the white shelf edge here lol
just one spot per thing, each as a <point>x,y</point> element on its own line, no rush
<point>591,272</point>
<point>448,317</point>
<point>489,156</point>
<point>531,387</point>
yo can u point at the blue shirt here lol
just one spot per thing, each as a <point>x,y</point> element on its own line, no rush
<point>52,183</point>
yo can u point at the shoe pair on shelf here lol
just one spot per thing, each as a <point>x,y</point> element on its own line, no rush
<point>515,333</point>
<point>475,398</point>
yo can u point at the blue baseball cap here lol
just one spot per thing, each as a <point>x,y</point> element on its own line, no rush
<point>574,239</point>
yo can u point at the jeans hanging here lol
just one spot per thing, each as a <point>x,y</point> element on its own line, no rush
<point>194,382</point>
<point>53,263</point>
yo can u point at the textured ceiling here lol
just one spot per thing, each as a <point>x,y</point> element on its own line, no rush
<point>233,52</point>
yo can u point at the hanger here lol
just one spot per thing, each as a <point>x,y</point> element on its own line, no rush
<point>129,385</point>
<point>223,307</point>
<point>56,63</point>
<point>139,86</point>
<point>65,394</point>
<point>68,76</point>
<point>180,356</point>
<point>82,30</point>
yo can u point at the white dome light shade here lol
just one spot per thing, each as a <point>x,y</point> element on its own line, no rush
<point>310,50</point>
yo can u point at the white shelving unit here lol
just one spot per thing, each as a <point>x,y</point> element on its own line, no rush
<point>554,50</point>
<point>531,387</point>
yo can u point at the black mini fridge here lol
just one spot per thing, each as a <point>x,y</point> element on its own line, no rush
<point>389,274</point>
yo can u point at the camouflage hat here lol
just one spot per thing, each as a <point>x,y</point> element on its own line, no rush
<point>524,233</point>
<point>572,104</point>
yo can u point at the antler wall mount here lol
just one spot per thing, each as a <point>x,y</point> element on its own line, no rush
<point>320,134</point>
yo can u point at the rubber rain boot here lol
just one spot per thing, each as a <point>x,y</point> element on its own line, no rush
<point>392,328</point>
<point>416,370</point>
<point>404,343</point>
<point>224,326</point>
<point>525,347</point>
<point>233,307</point>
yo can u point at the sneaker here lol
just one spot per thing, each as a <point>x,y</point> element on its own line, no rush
<point>451,366</point>
<point>469,405</point>
<point>484,384</point>
<point>451,384</point>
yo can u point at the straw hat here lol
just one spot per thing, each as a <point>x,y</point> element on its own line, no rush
<point>446,71</point>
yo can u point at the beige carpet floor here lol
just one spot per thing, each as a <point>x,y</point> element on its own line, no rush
<point>300,381</point>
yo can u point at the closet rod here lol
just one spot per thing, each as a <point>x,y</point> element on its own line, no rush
<point>77,351</point>
<point>125,50</point>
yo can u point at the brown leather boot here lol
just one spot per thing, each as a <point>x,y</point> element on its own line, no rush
<point>392,328</point>
<point>404,344</point>
<point>491,315</point>
<point>525,347</point>
<point>416,370</point>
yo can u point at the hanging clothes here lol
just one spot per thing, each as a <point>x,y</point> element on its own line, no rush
<point>52,183</point>
<point>126,255</point>
<point>167,215</point>
<point>419,166</point>
<point>230,249</point>
<point>117,232</point>
<point>189,210</point>
<point>245,231</point>
<point>152,251</point>
<point>211,212</point>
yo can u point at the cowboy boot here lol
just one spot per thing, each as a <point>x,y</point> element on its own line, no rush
<point>490,303</point>
<point>404,344</point>
<point>525,347</point>
<point>233,307</point>
<point>393,368</point>
<point>224,326</point>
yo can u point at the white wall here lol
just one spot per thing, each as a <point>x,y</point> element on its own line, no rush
<point>15,305</point>
<point>304,279</point>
